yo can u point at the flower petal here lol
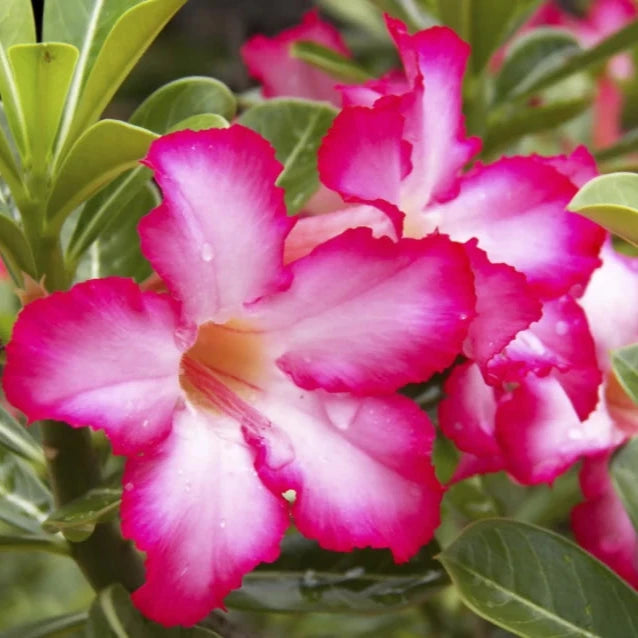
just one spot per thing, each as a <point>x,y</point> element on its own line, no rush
<point>195,505</point>
<point>360,468</point>
<point>505,305</point>
<point>270,61</point>
<point>217,239</point>
<point>601,524</point>
<point>400,315</point>
<point>103,354</point>
<point>516,209</point>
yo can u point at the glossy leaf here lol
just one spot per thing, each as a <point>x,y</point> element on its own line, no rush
<point>15,249</point>
<point>15,438</point>
<point>295,128</point>
<point>307,578</point>
<point>532,56</point>
<point>484,24</point>
<point>535,583</point>
<point>105,150</point>
<point>104,210</point>
<point>506,129</point>
<point>77,519</point>
<point>117,250</point>
<point>16,22</point>
<point>584,60</point>
<point>69,626</point>
<point>113,615</point>
<point>103,66</point>
<point>611,201</point>
<point>33,543</point>
<point>624,474</point>
<point>625,364</point>
<point>43,74</point>
<point>330,61</point>
<point>24,500</point>
<point>181,99</point>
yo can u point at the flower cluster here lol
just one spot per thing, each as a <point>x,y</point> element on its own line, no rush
<point>262,385</point>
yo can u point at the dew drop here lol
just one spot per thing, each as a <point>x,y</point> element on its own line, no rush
<point>463,316</point>
<point>575,434</point>
<point>206,252</point>
<point>222,523</point>
<point>128,487</point>
<point>145,423</point>
<point>562,328</point>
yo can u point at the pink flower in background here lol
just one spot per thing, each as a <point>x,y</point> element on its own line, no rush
<point>251,378</point>
<point>269,60</point>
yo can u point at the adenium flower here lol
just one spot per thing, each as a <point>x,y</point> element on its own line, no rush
<point>269,60</point>
<point>250,378</point>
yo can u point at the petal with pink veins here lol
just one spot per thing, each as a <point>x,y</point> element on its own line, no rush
<point>400,314</point>
<point>541,434</point>
<point>601,524</point>
<point>505,305</point>
<point>361,467</point>
<point>516,209</point>
<point>103,354</point>
<point>213,183</point>
<point>196,506</point>
<point>269,60</point>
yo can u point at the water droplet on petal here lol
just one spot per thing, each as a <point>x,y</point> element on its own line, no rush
<point>207,252</point>
<point>575,434</point>
<point>222,523</point>
<point>562,328</point>
<point>145,423</point>
<point>128,487</point>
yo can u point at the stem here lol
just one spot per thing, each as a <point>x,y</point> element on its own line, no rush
<point>104,557</point>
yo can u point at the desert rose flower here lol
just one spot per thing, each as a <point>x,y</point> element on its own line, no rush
<point>249,377</point>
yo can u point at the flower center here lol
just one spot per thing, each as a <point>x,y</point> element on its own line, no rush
<point>225,357</point>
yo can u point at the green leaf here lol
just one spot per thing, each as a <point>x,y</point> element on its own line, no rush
<point>24,500</point>
<point>181,99</point>
<point>105,210</point>
<point>407,11</point>
<point>330,61</point>
<point>67,625</point>
<point>624,474</point>
<point>360,13</point>
<point>611,201</point>
<point>77,519</point>
<point>532,56</point>
<point>104,151</point>
<point>15,438</point>
<point>42,74</point>
<point>625,364</point>
<point>113,615</point>
<point>33,543</point>
<point>506,129</point>
<point>535,583</point>
<point>584,60</point>
<point>307,578</point>
<point>117,251</point>
<point>16,249</point>
<point>113,44</point>
<point>16,22</point>
<point>484,24</point>
<point>295,128</point>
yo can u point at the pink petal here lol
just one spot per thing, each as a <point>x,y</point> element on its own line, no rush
<point>360,468</point>
<point>516,209</point>
<point>309,232</point>
<point>364,157</point>
<point>541,434</point>
<point>470,465</point>
<point>103,354</point>
<point>559,343</point>
<point>217,239</point>
<point>434,62</point>
<point>366,94</point>
<point>400,315</point>
<point>467,413</point>
<point>270,61</point>
<point>505,305</point>
<point>601,524</point>
<point>195,505</point>
<point>610,302</point>
<point>607,113</point>
<point>579,166</point>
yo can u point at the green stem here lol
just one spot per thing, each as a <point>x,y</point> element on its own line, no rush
<point>105,558</point>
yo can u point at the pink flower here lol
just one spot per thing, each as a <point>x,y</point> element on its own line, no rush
<point>250,378</point>
<point>269,60</point>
